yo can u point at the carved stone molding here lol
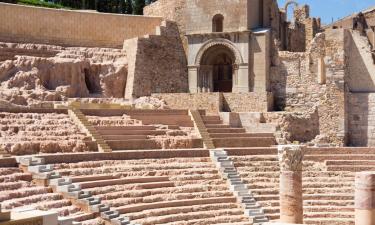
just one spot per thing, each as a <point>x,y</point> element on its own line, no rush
<point>219,41</point>
<point>291,157</point>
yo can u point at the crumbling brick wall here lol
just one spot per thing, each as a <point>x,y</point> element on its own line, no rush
<point>302,81</point>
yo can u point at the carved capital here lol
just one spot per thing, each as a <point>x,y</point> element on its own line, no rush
<point>291,157</point>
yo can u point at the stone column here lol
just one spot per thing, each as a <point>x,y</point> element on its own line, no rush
<point>365,198</point>
<point>193,79</point>
<point>291,202</point>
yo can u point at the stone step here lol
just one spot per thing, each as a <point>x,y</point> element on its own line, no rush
<point>329,215</point>
<point>212,121</point>
<point>151,144</point>
<point>351,168</point>
<point>210,118</point>
<point>179,120</point>
<point>238,135</point>
<point>103,128</point>
<point>110,182</point>
<point>244,142</point>
<point>256,153</point>
<point>226,130</point>
<point>132,132</point>
<point>329,221</point>
<point>327,157</point>
<point>340,151</point>
<point>217,126</point>
<point>124,137</point>
<point>175,203</point>
<point>350,162</point>
<point>68,188</point>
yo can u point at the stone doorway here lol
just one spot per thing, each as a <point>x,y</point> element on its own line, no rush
<point>216,70</point>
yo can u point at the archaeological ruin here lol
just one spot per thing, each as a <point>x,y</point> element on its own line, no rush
<point>199,112</point>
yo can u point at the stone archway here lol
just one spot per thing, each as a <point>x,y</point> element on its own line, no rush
<point>217,64</point>
<point>217,69</point>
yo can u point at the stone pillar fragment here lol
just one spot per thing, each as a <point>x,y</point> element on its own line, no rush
<point>365,198</point>
<point>291,202</point>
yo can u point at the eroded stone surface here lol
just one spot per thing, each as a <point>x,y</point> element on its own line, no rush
<point>32,133</point>
<point>290,157</point>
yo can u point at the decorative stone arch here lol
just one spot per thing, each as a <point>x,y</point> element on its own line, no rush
<point>217,66</point>
<point>218,41</point>
<point>287,4</point>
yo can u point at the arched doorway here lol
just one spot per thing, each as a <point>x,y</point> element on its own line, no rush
<point>217,69</point>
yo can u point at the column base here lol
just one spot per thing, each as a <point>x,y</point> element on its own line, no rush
<point>365,216</point>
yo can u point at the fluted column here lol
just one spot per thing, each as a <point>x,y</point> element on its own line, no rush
<point>291,202</point>
<point>365,198</point>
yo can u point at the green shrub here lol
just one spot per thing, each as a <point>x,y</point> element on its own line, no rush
<point>40,3</point>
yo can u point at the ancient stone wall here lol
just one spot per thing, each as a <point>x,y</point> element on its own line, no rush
<point>247,102</point>
<point>302,81</point>
<point>44,73</point>
<point>156,63</point>
<point>169,10</point>
<point>361,119</point>
<point>215,102</point>
<point>71,28</point>
<point>211,102</point>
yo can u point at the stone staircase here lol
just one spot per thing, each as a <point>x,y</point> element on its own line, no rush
<point>328,181</point>
<point>177,188</point>
<point>72,190</point>
<point>155,129</point>
<point>200,126</point>
<point>225,136</point>
<point>18,192</point>
<point>241,191</point>
<point>90,130</point>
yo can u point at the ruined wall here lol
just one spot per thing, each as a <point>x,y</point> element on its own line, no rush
<point>247,102</point>
<point>169,10</point>
<point>302,30</point>
<point>156,63</point>
<point>71,28</point>
<point>292,127</point>
<point>33,74</point>
<point>215,102</point>
<point>211,102</point>
<point>303,81</point>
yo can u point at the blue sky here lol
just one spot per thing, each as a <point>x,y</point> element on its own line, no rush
<point>328,9</point>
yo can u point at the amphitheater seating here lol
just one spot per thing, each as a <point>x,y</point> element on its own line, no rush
<point>146,129</point>
<point>31,133</point>
<point>226,136</point>
<point>18,191</point>
<point>328,181</point>
<point>182,190</point>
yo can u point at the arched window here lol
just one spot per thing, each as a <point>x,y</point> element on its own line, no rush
<point>218,23</point>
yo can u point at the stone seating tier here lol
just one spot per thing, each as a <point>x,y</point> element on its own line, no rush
<point>328,180</point>
<point>223,135</point>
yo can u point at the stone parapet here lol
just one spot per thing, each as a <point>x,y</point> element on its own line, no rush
<point>90,29</point>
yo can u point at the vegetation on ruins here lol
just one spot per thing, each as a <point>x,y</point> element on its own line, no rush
<point>108,6</point>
